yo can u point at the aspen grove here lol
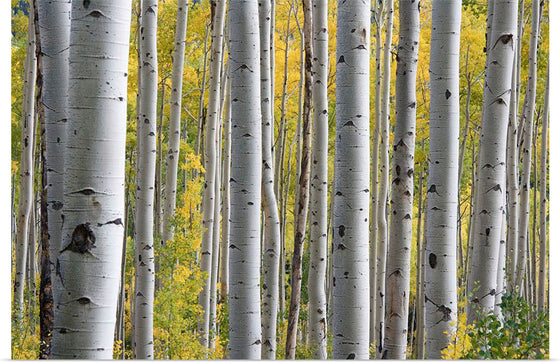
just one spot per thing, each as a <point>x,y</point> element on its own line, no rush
<point>280,179</point>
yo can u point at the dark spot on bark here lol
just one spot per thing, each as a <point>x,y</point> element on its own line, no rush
<point>410,172</point>
<point>407,216</point>
<point>86,191</point>
<point>83,239</point>
<point>258,342</point>
<point>250,203</point>
<point>397,181</point>
<point>96,14</point>
<point>117,221</point>
<point>351,356</point>
<point>86,4</point>
<point>83,300</point>
<point>341,247</point>
<point>412,105</point>
<point>341,60</point>
<point>341,229</point>
<point>432,259</point>
<point>338,193</point>
<point>63,330</point>
<point>432,189</point>
<point>349,123</point>
<point>446,312</point>
<point>447,94</point>
<point>495,188</point>
<point>398,170</point>
<point>56,205</point>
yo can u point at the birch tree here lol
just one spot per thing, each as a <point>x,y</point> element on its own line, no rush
<point>351,183</point>
<point>543,199</point>
<point>172,158</point>
<point>25,166</point>
<point>441,270</point>
<point>319,188</point>
<point>303,174</point>
<point>145,179</point>
<point>54,36</point>
<point>531,94</point>
<point>210,162</point>
<point>397,278</point>
<point>383,186</point>
<point>226,168</point>
<point>481,283</point>
<point>245,181</point>
<point>89,262</point>
<point>271,253</point>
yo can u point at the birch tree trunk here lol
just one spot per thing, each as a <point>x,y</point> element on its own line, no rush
<point>25,166</point>
<point>397,277</point>
<point>172,158</point>
<point>443,162</point>
<point>351,183</point>
<point>319,187</point>
<point>489,203</point>
<point>210,165</point>
<point>89,262</point>
<point>271,253</point>
<point>543,198</point>
<point>383,187</point>
<point>378,21</point>
<point>245,181</point>
<point>145,177</point>
<point>302,192</point>
<point>226,167</point>
<point>527,147</point>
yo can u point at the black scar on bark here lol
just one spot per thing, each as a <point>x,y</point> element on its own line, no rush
<point>83,300</point>
<point>83,239</point>
<point>341,229</point>
<point>351,356</point>
<point>447,94</point>
<point>86,4</point>
<point>432,259</point>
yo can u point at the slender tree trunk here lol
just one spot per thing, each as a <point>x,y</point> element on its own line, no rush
<point>382,203</point>
<point>351,183</point>
<point>302,194</point>
<point>378,20</point>
<point>25,166</point>
<point>202,91</point>
<point>398,258</point>
<point>543,199</point>
<point>443,189</point>
<point>271,222</point>
<point>226,167</point>
<point>421,316</point>
<point>89,262</point>
<point>245,181</point>
<point>512,180</point>
<point>481,285</point>
<point>319,187</point>
<point>210,161</point>
<point>50,26</point>
<point>500,274</point>
<point>146,168</point>
<point>535,208</point>
<point>527,148</point>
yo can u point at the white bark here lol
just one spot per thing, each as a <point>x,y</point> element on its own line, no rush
<point>527,147</point>
<point>500,277</point>
<point>245,181</point>
<point>145,179</point>
<point>543,212</point>
<point>351,183</point>
<point>319,188</point>
<point>226,167</point>
<point>54,24</point>
<point>378,21</point>
<point>271,249</point>
<point>172,158</point>
<point>26,165</point>
<point>210,166</point>
<point>489,202</point>
<point>89,262</point>
<point>397,278</point>
<point>383,195</point>
<point>443,162</point>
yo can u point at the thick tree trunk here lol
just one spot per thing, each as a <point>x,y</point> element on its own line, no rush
<point>145,177</point>
<point>271,236</point>
<point>481,285</point>
<point>398,258</point>
<point>531,94</point>
<point>89,261</point>
<point>351,183</point>
<point>443,161</point>
<point>319,187</point>
<point>245,182</point>
<point>541,303</point>
<point>172,157</point>
<point>381,261</point>
<point>25,166</point>
<point>302,194</point>
<point>210,163</point>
